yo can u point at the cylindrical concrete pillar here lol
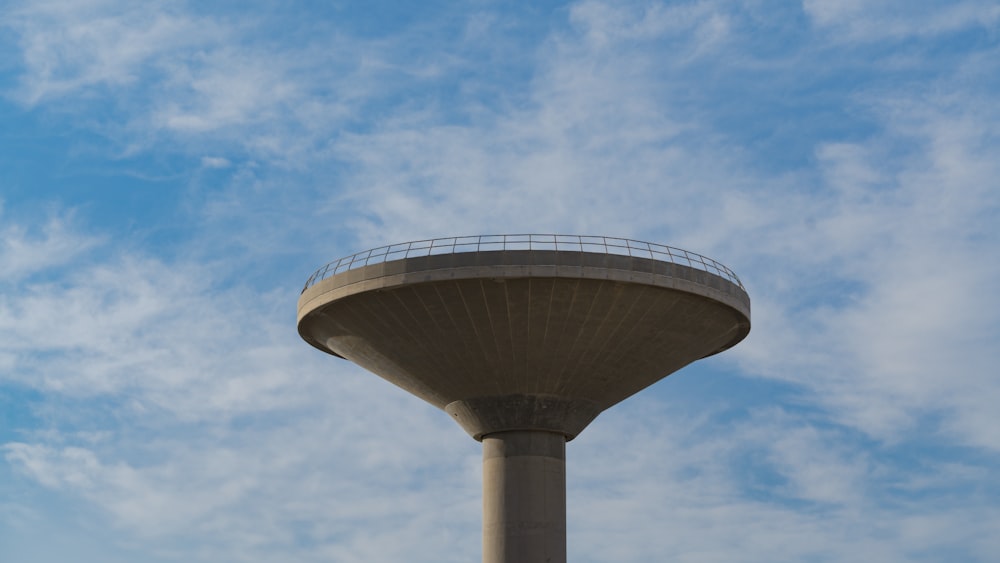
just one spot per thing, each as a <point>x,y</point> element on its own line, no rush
<point>524,497</point>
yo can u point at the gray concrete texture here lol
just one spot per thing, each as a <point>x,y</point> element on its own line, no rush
<point>524,348</point>
<point>510,340</point>
<point>524,497</point>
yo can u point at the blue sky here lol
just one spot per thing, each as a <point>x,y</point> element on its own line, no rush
<point>172,172</point>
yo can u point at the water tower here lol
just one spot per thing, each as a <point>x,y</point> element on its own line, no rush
<point>524,340</point>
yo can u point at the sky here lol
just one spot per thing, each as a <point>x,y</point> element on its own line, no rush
<point>172,172</point>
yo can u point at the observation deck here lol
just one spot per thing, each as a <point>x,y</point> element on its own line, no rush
<point>513,332</point>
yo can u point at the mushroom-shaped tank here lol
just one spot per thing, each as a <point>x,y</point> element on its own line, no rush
<point>524,332</point>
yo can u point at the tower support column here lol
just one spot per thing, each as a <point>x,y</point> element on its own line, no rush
<point>524,497</point>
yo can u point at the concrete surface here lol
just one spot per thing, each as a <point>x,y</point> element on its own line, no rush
<point>568,331</point>
<point>524,497</point>
<point>524,349</point>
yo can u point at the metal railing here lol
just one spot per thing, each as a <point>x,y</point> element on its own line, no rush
<point>492,243</point>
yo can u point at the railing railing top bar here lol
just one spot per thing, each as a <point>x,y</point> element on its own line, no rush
<point>492,243</point>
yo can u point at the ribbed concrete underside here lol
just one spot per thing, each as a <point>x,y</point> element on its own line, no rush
<point>524,349</point>
<point>593,339</point>
<point>461,334</point>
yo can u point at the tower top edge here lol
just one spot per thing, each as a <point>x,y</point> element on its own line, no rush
<point>525,246</point>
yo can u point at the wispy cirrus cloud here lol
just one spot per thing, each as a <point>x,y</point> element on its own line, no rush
<point>73,46</point>
<point>898,19</point>
<point>151,386</point>
<point>867,267</point>
<point>770,484</point>
<point>173,73</point>
<point>857,205</point>
<point>25,251</point>
<point>905,243</point>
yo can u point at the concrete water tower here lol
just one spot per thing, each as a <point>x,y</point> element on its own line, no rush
<point>524,340</point>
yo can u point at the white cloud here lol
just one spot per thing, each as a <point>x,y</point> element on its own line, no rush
<point>914,337</point>
<point>168,71</point>
<point>95,331</point>
<point>215,162</point>
<point>604,25</point>
<point>24,252</point>
<point>595,140</point>
<point>72,45</point>
<point>894,19</point>
<point>189,413</point>
<point>208,81</point>
<point>769,486</point>
<point>868,273</point>
<point>299,487</point>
